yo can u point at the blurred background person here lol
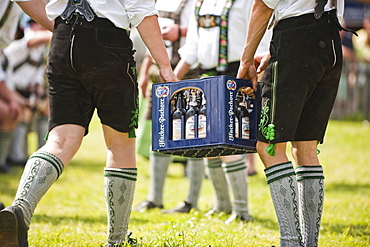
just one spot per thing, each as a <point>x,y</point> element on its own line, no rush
<point>26,78</point>
<point>9,108</point>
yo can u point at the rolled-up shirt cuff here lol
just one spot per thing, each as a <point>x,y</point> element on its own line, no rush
<point>136,19</point>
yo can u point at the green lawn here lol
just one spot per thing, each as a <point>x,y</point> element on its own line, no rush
<point>73,212</point>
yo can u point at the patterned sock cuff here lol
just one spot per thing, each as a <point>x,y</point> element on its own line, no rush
<point>279,171</point>
<point>214,163</point>
<point>51,158</point>
<point>125,173</point>
<point>234,166</point>
<point>309,172</point>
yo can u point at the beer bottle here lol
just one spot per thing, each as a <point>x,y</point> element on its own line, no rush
<point>245,119</point>
<point>178,119</point>
<point>191,117</point>
<point>250,105</point>
<point>202,119</point>
<point>238,114</point>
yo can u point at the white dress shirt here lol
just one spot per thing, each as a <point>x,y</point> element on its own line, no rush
<point>121,12</point>
<point>290,8</point>
<point>8,29</point>
<point>202,44</point>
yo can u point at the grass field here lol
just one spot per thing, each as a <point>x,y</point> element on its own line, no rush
<point>73,211</point>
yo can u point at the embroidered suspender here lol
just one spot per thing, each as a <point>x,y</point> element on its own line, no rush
<point>222,59</point>
<point>30,61</point>
<point>208,21</point>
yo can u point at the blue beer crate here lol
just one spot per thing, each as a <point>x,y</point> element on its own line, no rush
<point>220,140</point>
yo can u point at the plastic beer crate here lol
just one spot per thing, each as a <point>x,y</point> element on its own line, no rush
<point>220,95</point>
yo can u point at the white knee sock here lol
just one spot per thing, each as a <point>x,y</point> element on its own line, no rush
<point>41,171</point>
<point>158,172</point>
<point>196,176</point>
<point>5,144</point>
<point>310,181</point>
<point>217,176</point>
<point>119,187</point>
<point>18,151</point>
<point>283,188</point>
<point>236,175</point>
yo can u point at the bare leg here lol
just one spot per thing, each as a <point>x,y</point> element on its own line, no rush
<point>249,159</point>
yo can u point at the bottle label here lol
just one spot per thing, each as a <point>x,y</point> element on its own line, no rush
<point>245,128</point>
<point>189,128</point>
<point>202,130</point>
<point>176,129</point>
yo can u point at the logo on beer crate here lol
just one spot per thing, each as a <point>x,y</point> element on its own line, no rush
<point>162,91</point>
<point>231,84</point>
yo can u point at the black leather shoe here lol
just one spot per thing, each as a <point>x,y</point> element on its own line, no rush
<point>147,205</point>
<point>131,241</point>
<point>11,162</point>
<point>4,168</point>
<point>13,230</point>
<point>184,207</point>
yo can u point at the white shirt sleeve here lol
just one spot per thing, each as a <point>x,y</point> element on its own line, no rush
<point>189,51</point>
<point>137,10</point>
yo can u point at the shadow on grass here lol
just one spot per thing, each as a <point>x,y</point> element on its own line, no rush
<point>346,187</point>
<point>57,220</point>
<point>60,220</point>
<point>9,181</point>
<point>267,223</point>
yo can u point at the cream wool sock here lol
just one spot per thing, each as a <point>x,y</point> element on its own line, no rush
<point>119,187</point>
<point>5,144</point>
<point>283,189</point>
<point>236,175</point>
<point>311,200</point>
<point>41,171</point>
<point>196,176</point>
<point>18,151</point>
<point>158,172</point>
<point>221,189</point>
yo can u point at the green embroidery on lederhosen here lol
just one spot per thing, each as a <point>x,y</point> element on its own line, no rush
<point>223,40</point>
<point>131,71</point>
<point>268,129</point>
